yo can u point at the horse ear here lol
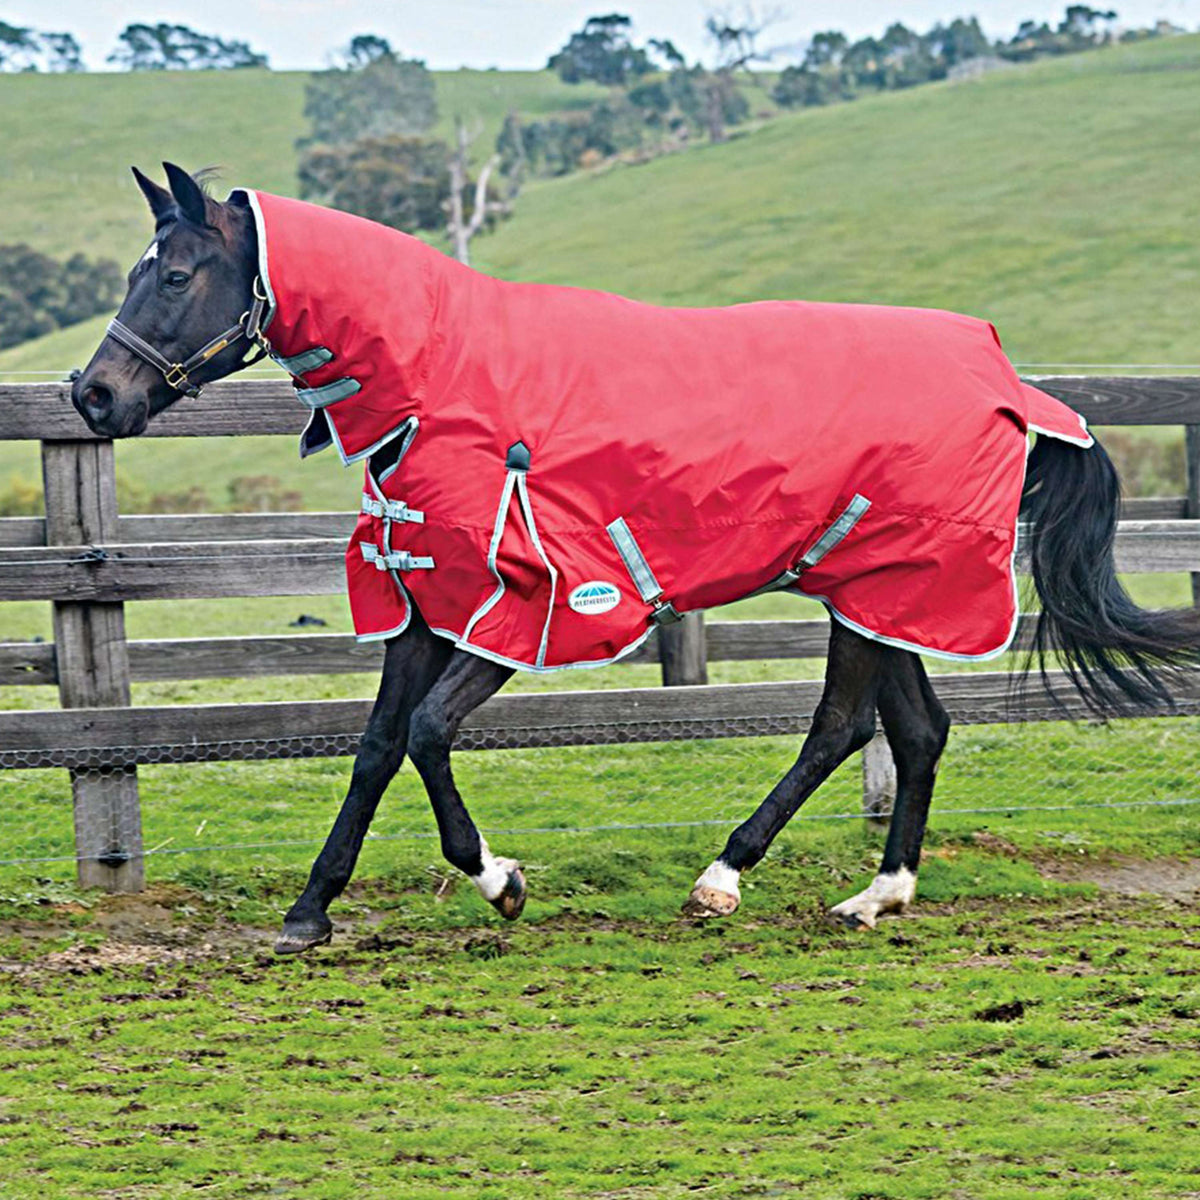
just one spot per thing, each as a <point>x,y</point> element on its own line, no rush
<point>159,199</point>
<point>187,194</point>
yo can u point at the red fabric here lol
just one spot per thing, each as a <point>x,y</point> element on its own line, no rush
<point>728,439</point>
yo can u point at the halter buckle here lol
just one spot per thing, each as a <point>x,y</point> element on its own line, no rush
<point>176,377</point>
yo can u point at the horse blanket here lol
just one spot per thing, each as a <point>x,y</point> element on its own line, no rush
<point>552,471</point>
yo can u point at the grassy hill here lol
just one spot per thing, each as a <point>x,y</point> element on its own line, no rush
<point>69,140</point>
<point>1057,199</point>
<point>1060,200</point>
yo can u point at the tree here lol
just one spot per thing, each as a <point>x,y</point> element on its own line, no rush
<point>400,181</point>
<point>383,97</point>
<point>23,49</point>
<point>603,53</point>
<point>464,224</point>
<point>38,293</point>
<point>957,42</point>
<point>165,47</point>
<point>805,86</point>
<point>1085,26</point>
<point>826,49</point>
<point>736,47</point>
<point>366,48</point>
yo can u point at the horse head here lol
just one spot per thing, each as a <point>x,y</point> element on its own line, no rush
<point>190,314</point>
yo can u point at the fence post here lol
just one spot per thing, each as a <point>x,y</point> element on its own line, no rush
<point>1192,451</point>
<point>683,651</point>
<point>879,781</point>
<point>92,660</point>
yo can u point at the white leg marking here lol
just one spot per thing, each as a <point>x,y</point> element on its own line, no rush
<point>887,893</point>
<point>492,880</point>
<point>716,893</point>
<point>721,877</point>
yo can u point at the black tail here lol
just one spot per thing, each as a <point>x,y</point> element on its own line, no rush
<point>1115,653</point>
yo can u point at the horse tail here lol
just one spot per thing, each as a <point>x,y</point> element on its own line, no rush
<point>1117,654</point>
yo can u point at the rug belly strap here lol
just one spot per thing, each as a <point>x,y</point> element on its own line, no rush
<point>396,560</point>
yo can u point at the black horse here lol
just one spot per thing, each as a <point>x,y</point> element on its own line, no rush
<point>197,280</point>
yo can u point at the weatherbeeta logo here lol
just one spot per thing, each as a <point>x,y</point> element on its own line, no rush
<point>594,597</point>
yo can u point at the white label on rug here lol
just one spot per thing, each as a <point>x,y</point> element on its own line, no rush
<point>594,597</point>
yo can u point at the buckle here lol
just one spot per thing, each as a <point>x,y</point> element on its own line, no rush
<point>393,510</point>
<point>176,377</point>
<point>665,614</point>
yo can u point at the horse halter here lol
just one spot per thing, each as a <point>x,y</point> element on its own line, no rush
<point>249,326</point>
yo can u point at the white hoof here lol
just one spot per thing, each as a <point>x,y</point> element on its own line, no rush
<point>887,894</point>
<point>716,893</point>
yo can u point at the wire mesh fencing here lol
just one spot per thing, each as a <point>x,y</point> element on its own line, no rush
<point>1068,775</point>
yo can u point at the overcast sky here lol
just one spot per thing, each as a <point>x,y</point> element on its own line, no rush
<point>512,34</point>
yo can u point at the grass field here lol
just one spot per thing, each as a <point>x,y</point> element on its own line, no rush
<point>1030,1031</point>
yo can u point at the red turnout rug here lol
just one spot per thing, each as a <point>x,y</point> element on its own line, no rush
<point>556,470</point>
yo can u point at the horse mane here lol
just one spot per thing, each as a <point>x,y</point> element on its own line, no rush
<point>206,179</point>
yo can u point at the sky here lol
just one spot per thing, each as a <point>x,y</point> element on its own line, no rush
<point>521,34</point>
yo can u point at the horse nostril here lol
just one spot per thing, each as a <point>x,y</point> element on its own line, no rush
<point>97,399</point>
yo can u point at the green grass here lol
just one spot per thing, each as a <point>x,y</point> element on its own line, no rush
<point>1027,1040</point>
<point>71,139</point>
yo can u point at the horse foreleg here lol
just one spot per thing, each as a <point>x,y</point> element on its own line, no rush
<point>916,725</point>
<point>465,684</point>
<point>844,722</point>
<point>412,663</point>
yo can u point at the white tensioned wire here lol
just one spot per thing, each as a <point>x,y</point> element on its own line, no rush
<point>624,826</point>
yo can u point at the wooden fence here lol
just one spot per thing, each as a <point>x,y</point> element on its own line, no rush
<point>88,560</point>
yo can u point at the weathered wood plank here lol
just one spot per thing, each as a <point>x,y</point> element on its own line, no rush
<point>236,527</point>
<point>132,571</point>
<point>92,665</point>
<point>27,663</point>
<point>190,733</point>
<point>243,407</point>
<point>1127,400</point>
<point>232,408</point>
<point>167,571</point>
<point>1154,508</point>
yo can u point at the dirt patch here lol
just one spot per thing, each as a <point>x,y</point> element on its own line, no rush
<point>1172,878</point>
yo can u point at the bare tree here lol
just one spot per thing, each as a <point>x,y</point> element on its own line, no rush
<point>736,40</point>
<point>460,227</point>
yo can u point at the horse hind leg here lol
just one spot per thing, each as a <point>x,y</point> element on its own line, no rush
<point>844,722</point>
<point>916,725</point>
<point>466,683</point>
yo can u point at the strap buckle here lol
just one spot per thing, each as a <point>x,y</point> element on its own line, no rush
<point>393,510</point>
<point>176,376</point>
<point>397,560</point>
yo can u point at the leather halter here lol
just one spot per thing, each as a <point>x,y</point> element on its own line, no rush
<point>249,326</point>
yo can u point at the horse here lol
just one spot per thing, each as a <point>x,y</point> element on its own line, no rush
<point>196,310</point>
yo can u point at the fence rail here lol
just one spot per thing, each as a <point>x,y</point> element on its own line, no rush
<point>88,560</point>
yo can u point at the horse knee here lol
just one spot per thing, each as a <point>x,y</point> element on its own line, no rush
<point>429,736</point>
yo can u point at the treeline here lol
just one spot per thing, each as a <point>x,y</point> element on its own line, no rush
<point>39,294</point>
<point>835,68</point>
<point>161,47</point>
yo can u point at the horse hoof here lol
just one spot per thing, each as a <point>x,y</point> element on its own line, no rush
<point>511,901</point>
<point>847,918</point>
<point>298,936</point>
<point>708,901</point>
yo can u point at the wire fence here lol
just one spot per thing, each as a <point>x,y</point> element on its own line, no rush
<point>1073,779</point>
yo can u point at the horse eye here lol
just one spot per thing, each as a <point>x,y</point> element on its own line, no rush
<point>177,279</point>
